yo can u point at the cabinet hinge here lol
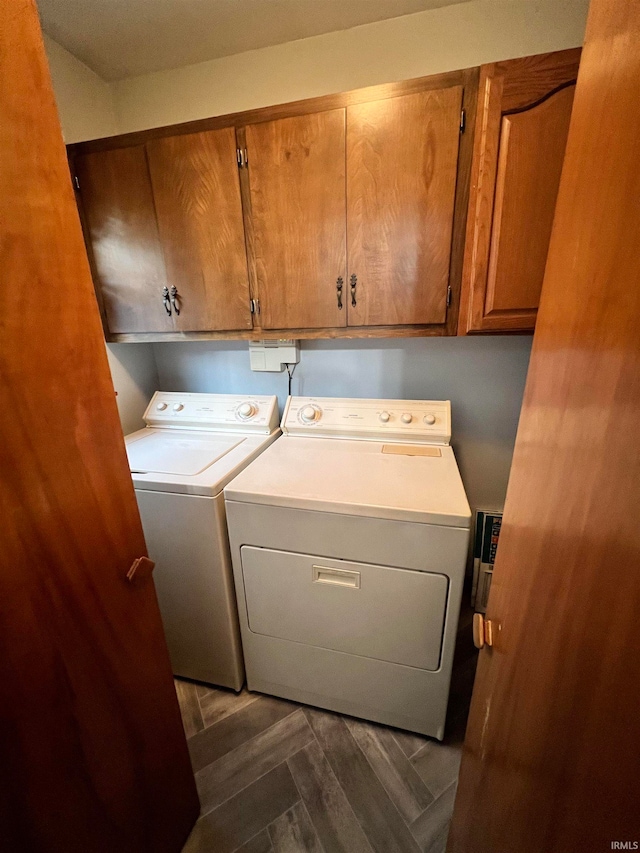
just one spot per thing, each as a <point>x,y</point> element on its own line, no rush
<point>448,296</point>
<point>242,158</point>
<point>254,305</point>
<point>463,120</point>
<point>76,182</point>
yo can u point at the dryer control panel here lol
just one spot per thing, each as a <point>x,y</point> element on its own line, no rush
<point>415,421</point>
<point>213,412</point>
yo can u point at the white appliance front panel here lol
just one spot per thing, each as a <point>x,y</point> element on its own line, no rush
<point>389,614</point>
<point>187,538</point>
<point>414,421</point>
<point>381,541</point>
<point>187,454</point>
<point>213,412</point>
<point>390,693</point>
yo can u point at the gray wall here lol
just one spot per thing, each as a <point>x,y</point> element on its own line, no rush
<point>135,378</point>
<point>482,376</point>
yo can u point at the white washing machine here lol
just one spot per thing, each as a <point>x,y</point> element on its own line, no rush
<point>192,446</point>
<point>349,542</point>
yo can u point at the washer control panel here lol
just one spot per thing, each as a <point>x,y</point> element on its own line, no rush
<point>416,421</point>
<point>222,412</point>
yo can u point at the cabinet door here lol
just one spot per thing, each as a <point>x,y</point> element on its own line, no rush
<point>197,197</point>
<point>402,156</point>
<point>121,229</point>
<point>297,181</point>
<point>524,108</point>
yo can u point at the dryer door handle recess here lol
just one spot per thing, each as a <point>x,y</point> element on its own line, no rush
<point>337,577</point>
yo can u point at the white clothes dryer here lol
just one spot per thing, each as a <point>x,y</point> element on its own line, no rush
<point>349,544</point>
<point>192,446</point>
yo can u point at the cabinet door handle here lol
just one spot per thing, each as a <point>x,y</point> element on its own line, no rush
<point>165,300</point>
<point>339,284</point>
<point>353,281</point>
<point>174,299</point>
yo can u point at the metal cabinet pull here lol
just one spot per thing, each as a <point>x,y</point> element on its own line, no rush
<point>174,299</point>
<point>353,281</point>
<point>165,300</point>
<point>339,284</point>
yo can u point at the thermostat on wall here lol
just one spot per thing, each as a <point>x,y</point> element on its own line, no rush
<point>273,355</point>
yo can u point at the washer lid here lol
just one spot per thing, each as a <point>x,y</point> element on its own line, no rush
<point>185,454</point>
<point>190,462</point>
<point>375,479</point>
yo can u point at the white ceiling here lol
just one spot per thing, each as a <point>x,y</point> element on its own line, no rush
<point>123,38</point>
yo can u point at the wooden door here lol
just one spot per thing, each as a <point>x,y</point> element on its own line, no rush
<point>552,750</point>
<point>197,196</point>
<point>297,190</point>
<point>402,160</point>
<point>92,754</point>
<point>122,239</point>
<point>524,108</point>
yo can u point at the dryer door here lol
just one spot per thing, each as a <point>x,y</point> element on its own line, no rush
<point>390,614</point>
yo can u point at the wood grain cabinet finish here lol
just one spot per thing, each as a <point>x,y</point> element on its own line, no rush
<point>121,230</point>
<point>342,215</point>
<point>298,214</point>
<point>196,189</point>
<point>352,212</point>
<point>522,123</point>
<point>402,162</point>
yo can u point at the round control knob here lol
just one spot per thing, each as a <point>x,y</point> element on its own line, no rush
<point>385,417</point>
<point>407,418</point>
<point>246,411</point>
<point>161,407</point>
<point>430,419</point>
<point>178,407</point>
<point>309,414</point>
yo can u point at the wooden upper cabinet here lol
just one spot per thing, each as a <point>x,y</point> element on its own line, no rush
<point>120,224</point>
<point>402,162</point>
<point>199,210</point>
<point>339,216</point>
<point>298,215</point>
<point>522,123</point>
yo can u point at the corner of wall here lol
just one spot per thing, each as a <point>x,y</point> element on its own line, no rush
<point>135,378</point>
<point>85,101</point>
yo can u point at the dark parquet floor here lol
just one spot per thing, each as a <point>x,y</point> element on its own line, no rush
<point>277,777</point>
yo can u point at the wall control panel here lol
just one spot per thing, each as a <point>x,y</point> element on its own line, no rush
<point>417,421</point>
<point>224,412</point>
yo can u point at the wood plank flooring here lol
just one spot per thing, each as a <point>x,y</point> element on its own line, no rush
<point>277,777</point>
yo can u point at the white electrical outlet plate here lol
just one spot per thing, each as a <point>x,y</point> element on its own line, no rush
<point>273,355</point>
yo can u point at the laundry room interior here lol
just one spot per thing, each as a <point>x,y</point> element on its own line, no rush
<point>295,252</point>
<point>483,376</point>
